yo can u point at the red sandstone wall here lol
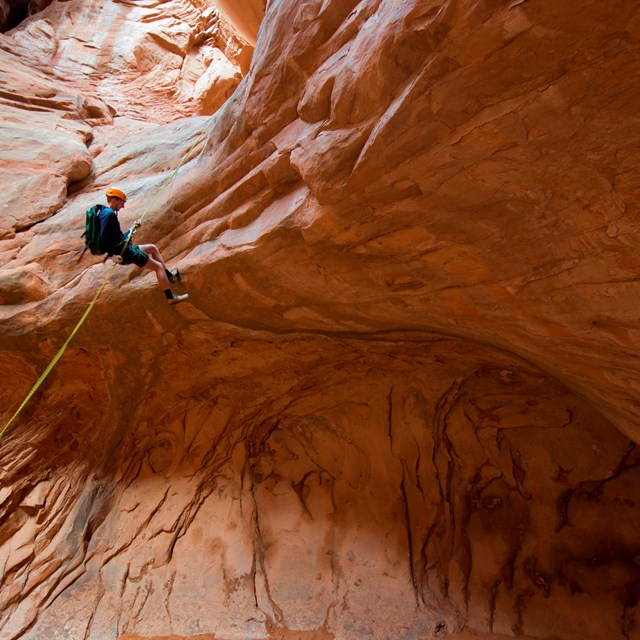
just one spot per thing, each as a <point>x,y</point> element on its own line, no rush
<point>402,400</point>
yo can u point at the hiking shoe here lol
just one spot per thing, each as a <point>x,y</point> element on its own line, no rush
<point>175,275</point>
<point>178,297</point>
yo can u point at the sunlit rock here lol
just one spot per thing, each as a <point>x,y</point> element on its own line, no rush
<point>402,399</point>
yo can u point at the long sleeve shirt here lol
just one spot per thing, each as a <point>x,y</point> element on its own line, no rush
<point>111,234</point>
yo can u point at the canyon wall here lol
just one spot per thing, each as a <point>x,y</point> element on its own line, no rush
<point>402,399</point>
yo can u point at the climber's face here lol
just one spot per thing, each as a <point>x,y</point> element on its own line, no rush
<point>116,203</point>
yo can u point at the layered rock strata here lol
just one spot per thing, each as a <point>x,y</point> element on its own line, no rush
<point>402,400</point>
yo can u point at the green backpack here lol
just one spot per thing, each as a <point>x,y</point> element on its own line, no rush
<point>91,233</point>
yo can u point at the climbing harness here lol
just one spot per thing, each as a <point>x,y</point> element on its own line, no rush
<point>88,310</point>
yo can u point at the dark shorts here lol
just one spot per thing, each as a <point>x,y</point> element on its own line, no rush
<point>133,254</point>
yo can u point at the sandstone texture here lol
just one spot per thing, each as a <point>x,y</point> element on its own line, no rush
<point>402,401</point>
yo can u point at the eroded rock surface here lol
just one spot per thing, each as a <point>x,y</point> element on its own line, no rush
<point>402,401</point>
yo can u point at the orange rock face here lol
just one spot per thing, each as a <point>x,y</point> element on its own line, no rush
<point>402,399</point>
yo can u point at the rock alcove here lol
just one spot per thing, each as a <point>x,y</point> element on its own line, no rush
<point>402,400</point>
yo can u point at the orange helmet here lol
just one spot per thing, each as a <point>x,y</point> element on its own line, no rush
<point>112,192</point>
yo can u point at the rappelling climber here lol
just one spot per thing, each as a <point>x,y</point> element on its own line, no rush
<point>119,247</point>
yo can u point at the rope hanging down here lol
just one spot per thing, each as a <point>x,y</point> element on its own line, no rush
<point>88,310</point>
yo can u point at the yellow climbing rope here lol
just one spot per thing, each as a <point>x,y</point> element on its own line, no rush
<point>80,322</point>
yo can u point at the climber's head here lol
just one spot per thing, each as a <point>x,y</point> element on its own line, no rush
<point>115,198</point>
